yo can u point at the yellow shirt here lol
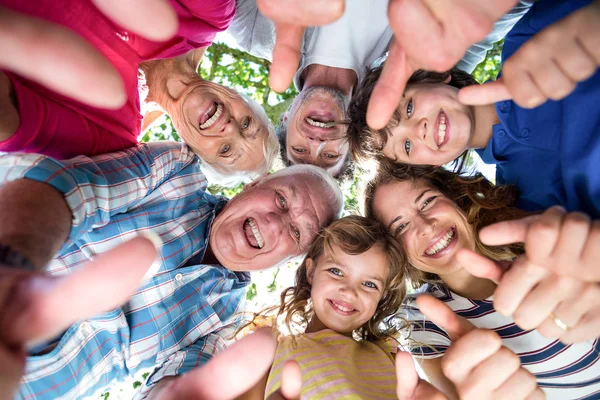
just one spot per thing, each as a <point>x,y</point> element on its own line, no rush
<point>337,367</point>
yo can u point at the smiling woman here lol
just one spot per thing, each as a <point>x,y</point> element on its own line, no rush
<point>437,216</point>
<point>231,133</point>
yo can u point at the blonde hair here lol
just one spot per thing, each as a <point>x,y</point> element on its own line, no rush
<point>353,235</point>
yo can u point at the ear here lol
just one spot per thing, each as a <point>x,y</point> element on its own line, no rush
<point>285,117</point>
<point>310,269</point>
<point>448,79</point>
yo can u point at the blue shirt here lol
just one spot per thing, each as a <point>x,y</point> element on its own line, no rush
<point>181,315</point>
<point>551,153</point>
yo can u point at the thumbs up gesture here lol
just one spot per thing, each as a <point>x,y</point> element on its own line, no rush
<point>477,363</point>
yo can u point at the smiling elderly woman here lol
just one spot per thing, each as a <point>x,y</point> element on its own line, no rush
<point>230,133</point>
<point>435,215</point>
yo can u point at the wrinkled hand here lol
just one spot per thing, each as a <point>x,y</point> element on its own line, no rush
<point>60,59</point>
<point>446,28</point>
<point>228,374</point>
<point>291,18</point>
<point>547,66</point>
<point>36,307</point>
<point>548,281</point>
<point>477,363</point>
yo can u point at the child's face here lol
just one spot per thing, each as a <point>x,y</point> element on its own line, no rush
<point>347,288</point>
<point>435,127</point>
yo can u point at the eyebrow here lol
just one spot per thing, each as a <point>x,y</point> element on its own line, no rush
<point>399,217</point>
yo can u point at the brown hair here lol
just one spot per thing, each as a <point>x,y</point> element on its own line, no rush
<point>368,143</point>
<point>353,235</point>
<point>482,202</point>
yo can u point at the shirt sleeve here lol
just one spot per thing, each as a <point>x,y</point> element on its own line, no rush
<point>476,53</point>
<point>195,355</point>
<point>99,187</point>
<point>424,339</point>
<point>252,31</point>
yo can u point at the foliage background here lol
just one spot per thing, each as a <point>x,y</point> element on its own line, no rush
<point>225,64</point>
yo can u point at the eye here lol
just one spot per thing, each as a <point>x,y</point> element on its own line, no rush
<point>246,123</point>
<point>427,201</point>
<point>407,147</point>
<point>335,271</point>
<point>400,228</point>
<point>409,109</point>
<point>296,233</point>
<point>370,285</point>
<point>299,150</point>
<point>331,156</point>
<point>282,201</point>
<point>224,149</point>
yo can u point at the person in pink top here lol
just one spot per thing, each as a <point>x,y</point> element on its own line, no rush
<point>231,134</point>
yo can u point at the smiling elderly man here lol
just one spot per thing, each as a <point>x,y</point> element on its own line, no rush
<point>64,213</point>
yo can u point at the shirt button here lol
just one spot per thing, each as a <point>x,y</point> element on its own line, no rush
<point>501,132</point>
<point>178,277</point>
<point>525,132</point>
<point>85,327</point>
<point>503,107</point>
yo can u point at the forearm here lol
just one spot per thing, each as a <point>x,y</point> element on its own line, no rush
<point>35,220</point>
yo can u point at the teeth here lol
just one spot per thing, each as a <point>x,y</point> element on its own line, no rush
<point>212,119</point>
<point>342,308</point>
<point>256,233</point>
<point>319,124</point>
<point>441,244</point>
<point>442,129</point>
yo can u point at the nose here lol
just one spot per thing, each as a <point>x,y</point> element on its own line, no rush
<point>420,130</point>
<point>348,290</point>
<point>316,145</point>
<point>231,128</point>
<point>425,226</point>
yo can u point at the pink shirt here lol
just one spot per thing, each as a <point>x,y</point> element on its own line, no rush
<point>62,128</point>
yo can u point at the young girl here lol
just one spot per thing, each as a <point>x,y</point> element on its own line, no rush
<point>346,289</point>
<point>550,152</point>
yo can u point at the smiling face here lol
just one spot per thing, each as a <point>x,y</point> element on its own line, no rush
<point>312,138</point>
<point>219,126</point>
<point>431,226</point>
<point>270,221</point>
<point>346,289</point>
<point>435,127</point>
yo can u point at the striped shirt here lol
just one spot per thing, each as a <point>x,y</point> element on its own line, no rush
<point>562,371</point>
<point>182,315</point>
<point>335,366</point>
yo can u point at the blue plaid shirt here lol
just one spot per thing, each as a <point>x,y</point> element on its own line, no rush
<point>182,315</point>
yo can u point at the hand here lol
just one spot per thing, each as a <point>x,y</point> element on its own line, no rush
<point>36,307</point>
<point>548,282</point>
<point>58,58</point>
<point>291,382</point>
<point>547,66</point>
<point>477,363</point>
<point>409,385</point>
<point>448,28</point>
<point>291,18</point>
<point>228,374</point>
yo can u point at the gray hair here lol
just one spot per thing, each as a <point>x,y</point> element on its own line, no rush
<point>333,194</point>
<point>217,175</point>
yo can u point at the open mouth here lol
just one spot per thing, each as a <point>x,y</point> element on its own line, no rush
<point>443,131</point>
<point>211,116</point>
<point>443,243</point>
<point>320,122</point>
<point>342,307</point>
<point>253,234</point>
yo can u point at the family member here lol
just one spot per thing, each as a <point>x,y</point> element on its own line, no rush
<point>352,278</point>
<point>333,62</point>
<point>440,215</point>
<point>230,133</point>
<point>549,152</point>
<point>64,213</point>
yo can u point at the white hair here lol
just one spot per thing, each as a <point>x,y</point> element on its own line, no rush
<point>215,174</point>
<point>333,193</point>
